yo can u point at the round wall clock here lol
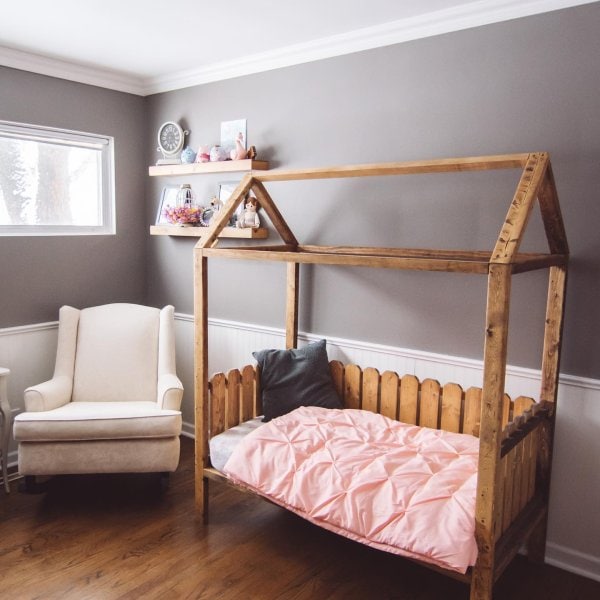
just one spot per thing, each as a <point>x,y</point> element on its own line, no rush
<point>170,138</point>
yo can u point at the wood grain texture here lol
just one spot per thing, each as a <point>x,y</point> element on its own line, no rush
<point>248,401</point>
<point>227,232</point>
<point>511,234</point>
<point>390,388</point>
<point>489,475</point>
<point>352,386</point>
<point>445,165</point>
<point>232,412</point>
<point>222,218</point>
<point>218,390</point>
<point>291,304</point>
<point>370,391</point>
<point>228,166</point>
<point>409,399</point>
<point>452,400</point>
<point>201,374</point>
<point>429,405</point>
<point>551,215</point>
<point>267,204</point>
<point>332,257</point>
<point>555,308</point>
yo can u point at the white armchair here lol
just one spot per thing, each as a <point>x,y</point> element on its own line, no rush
<point>113,404</point>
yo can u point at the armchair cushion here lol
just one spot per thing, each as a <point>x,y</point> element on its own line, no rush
<point>78,421</point>
<point>120,339</point>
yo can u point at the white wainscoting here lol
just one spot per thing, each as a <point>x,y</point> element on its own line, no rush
<point>574,524</point>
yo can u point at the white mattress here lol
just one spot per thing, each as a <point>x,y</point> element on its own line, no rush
<point>221,446</point>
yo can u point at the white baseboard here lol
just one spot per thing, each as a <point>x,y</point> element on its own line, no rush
<point>574,561</point>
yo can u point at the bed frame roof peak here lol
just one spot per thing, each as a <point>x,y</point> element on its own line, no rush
<point>536,182</point>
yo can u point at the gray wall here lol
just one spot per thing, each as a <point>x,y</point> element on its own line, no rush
<point>39,274</point>
<point>524,85</point>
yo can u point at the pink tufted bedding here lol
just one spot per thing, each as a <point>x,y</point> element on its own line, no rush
<point>400,488</point>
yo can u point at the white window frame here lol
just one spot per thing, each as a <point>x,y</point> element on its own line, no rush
<point>104,143</point>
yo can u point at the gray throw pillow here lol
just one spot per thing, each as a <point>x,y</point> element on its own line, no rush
<point>293,378</point>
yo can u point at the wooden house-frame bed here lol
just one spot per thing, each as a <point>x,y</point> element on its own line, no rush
<point>515,436</point>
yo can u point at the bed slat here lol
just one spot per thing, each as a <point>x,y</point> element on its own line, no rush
<point>218,387</point>
<point>472,412</point>
<point>352,386</point>
<point>409,399</point>
<point>257,393</point>
<point>236,398</point>
<point>247,408</point>
<point>452,397</point>
<point>370,393</point>
<point>430,403</point>
<point>522,404</point>
<point>518,473</point>
<point>337,374</point>
<point>232,408</point>
<point>499,509</point>
<point>535,440</point>
<point>508,489</point>
<point>506,410</point>
<point>390,386</point>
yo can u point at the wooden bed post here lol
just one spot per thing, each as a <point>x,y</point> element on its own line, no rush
<point>555,306</point>
<point>201,378</point>
<point>494,370</point>
<point>291,308</point>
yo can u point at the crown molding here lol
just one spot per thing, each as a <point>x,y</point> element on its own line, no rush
<point>62,69</point>
<point>465,16</point>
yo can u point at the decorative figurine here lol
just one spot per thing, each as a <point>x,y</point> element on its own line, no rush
<point>203,154</point>
<point>217,154</point>
<point>249,217</point>
<point>210,212</point>
<point>216,203</point>
<point>239,152</point>
<point>188,155</point>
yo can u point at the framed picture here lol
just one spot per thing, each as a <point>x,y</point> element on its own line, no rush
<point>226,188</point>
<point>168,197</point>
<point>229,133</point>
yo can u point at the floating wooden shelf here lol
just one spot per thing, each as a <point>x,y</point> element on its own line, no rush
<point>228,232</point>
<point>227,166</point>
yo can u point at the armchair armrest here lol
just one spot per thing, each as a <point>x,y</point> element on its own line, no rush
<point>49,395</point>
<point>170,391</point>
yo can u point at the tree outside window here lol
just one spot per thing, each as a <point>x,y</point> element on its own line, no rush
<point>54,182</point>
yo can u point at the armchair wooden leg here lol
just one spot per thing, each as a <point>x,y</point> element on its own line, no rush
<point>30,485</point>
<point>165,478</point>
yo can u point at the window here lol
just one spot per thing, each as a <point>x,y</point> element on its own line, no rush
<point>55,182</point>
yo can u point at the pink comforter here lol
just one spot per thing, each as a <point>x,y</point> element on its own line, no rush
<point>396,487</point>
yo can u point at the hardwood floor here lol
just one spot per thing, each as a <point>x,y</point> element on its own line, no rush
<point>120,537</point>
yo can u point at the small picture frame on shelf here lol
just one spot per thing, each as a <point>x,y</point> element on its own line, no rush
<point>229,133</point>
<point>168,197</point>
<point>226,188</point>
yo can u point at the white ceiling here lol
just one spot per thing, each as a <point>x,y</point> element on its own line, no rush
<point>148,46</point>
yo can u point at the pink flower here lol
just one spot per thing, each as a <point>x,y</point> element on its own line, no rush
<point>182,215</point>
